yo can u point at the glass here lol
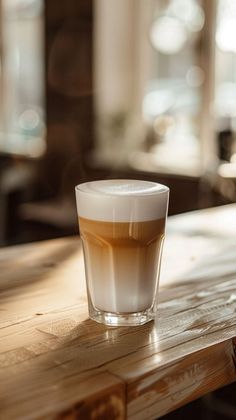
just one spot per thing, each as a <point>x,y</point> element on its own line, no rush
<point>122,226</point>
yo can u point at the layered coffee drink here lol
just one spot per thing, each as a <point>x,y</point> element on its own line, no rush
<point>123,258</point>
<point>122,226</point>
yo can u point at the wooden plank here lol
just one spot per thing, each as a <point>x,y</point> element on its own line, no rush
<point>181,381</point>
<point>54,361</point>
<point>77,396</point>
<point>44,327</point>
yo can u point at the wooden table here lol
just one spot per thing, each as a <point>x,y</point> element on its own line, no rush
<point>56,363</point>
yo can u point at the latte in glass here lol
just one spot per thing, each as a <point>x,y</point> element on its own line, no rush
<point>122,226</point>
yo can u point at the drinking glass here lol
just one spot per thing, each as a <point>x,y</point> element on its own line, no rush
<point>122,227</point>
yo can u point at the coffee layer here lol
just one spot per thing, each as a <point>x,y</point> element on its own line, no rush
<point>121,262</point>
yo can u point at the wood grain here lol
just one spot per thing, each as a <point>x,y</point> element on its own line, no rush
<point>56,363</point>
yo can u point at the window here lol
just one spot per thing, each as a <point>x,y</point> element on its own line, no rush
<point>154,84</point>
<point>22,122</point>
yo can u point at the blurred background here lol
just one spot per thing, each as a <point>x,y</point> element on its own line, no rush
<point>113,89</point>
<point>98,89</point>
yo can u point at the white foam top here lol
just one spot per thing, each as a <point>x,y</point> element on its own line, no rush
<point>122,200</point>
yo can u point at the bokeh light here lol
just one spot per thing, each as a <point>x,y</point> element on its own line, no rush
<point>168,35</point>
<point>195,76</point>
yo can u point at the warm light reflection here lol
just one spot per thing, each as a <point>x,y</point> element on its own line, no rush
<point>227,170</point>
<point>154,341</point>
<point>153,334</point>
<point>226,34</point>
<point>233,158</point>
<point>111,335</point>
<point>226,25</point>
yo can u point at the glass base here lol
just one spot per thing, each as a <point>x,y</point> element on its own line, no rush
<point>122,319</point>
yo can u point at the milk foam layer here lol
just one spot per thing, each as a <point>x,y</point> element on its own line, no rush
<point>122,200</point>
